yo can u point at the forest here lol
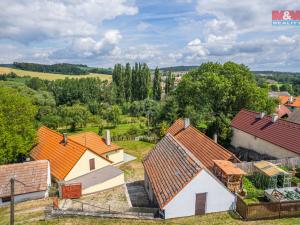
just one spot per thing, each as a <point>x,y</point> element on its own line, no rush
<point>209,95</point>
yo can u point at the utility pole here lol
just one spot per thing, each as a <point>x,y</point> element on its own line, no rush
<point>12,201</point>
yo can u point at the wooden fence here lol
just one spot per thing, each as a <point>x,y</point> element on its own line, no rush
<point>267,210</point>
<point>288,162</point>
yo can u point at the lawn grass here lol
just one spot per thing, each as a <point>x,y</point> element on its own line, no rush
<point>209,219</point>
<point>51,76</point>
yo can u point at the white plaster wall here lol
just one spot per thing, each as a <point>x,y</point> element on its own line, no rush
<point>245,140</point>
<point>83,167</point>
<point>218,197</point>
<point>114,182</point>
<point>28,196</point>
<point>115,156</point>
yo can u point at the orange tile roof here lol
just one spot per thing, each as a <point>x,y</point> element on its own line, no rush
<point>94,142</point>
<point>285,100</point>
<point>169,167</point>
<point>228,167</point>
<point>204,148</point>
<point>33,175</point>
<point>62,157</point>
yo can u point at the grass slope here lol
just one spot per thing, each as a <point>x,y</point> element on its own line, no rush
<point>51,76</point>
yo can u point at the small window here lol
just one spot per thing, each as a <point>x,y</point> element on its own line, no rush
<point>92,164</point>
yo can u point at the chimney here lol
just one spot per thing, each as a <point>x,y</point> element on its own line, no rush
<point>260,115</point>
<point>186,123</point>
<point>65,140</point>
<point>107,137</point>
<point>291,99</point>
<point>216,138</point>
<point>274,117</point>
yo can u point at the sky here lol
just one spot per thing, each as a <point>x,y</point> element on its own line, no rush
<point>158,32</point>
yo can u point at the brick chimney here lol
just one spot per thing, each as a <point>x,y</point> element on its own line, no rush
<point>107,137</point>
<point>187,122</point>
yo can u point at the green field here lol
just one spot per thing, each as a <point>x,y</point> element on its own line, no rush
<point>51,76</point>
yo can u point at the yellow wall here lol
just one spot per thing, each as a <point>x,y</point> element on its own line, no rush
<point>115,156</point>
<point>83,167</point>
<point>116,181</point>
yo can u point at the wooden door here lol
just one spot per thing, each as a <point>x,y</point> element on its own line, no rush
<point>200,204</point>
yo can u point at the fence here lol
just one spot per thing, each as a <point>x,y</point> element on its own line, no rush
<point>288,162</point>
<point>267,210</point>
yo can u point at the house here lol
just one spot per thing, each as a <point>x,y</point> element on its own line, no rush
<point>290,101</point>
<point>282,111</point>
<point>179,175</point>
<point>294,116</point>
<point>80,159</point>
<point>278,93</point>
<point>268,135</point>
<point>32,181</point>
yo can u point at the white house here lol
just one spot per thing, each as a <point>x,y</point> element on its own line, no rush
<point>180,181</point>
<point>80,159</point>
<point>268,135</point>
<point>32,181</point>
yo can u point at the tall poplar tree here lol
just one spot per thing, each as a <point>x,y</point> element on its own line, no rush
<point>156,85</point>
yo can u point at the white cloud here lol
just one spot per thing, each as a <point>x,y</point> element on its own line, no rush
<point>196,48</point>
<point>27,21</point>
<point>142,26</point>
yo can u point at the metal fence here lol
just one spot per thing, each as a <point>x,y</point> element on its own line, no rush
<point>267,210</point>
<point>248,167</point>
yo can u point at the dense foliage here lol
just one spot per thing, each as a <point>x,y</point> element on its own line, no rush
<point>17,130</point>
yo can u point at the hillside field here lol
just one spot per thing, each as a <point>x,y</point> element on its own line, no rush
<point>51,76</point>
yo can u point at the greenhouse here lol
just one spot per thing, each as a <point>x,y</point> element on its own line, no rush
<point>269,176</point>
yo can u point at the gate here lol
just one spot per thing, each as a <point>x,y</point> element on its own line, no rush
<point>71,190</point>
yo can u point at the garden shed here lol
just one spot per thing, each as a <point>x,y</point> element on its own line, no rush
<point>267,175</point>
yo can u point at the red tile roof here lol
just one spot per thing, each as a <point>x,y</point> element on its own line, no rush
<point>62,157</point>
<point>94,142</point>
<point>169,167</point>
<point>282,110</point>
<point>282,133</point>
<point>204,148</point>
<point>33,175</point>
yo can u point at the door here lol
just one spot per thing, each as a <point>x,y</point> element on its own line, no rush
<point>200,204</point>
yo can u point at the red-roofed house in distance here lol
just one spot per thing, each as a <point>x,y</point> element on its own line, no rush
<point>82,158</point>
<point>32,181</point>
<point>291,102</point>
<point>266,135</point>
<point>179,175</point>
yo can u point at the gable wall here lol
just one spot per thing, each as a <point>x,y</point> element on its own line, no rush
<point>219,198</point>
<point>248,141</point>
<point>115,156</point>
<point>83,167</point>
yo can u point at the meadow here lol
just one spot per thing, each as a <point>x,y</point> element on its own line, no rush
<point>50,76</point>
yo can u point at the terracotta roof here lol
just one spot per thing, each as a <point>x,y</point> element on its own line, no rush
<point>62,157</point>
<point>294,116</point>
<point>169,167</point>
<point>94,142</point>
<point>269,168</point>
<point>285,100</point>
<point>33,176</point>
<point>228,167</point>
<point>204,148</point>
<point>282,133</point>
<point>282,110</point>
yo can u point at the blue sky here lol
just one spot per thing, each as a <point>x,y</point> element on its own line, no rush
<point>160,33</point>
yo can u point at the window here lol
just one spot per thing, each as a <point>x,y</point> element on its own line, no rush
<point>92,164</point>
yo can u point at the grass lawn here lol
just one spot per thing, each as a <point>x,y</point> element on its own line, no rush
<point>210,219</point>
<point>51,76</point>
<point>134,170</point>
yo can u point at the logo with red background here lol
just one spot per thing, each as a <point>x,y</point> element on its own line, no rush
<point>286,17</point>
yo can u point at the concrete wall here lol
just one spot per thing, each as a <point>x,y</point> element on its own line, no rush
<point>114,182</point>
<point>149,190</point>
<point>115,156</point>
<point>248,141</point>
<point>28,196</point>
<point>83,167</point>
<point>219,198</point>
